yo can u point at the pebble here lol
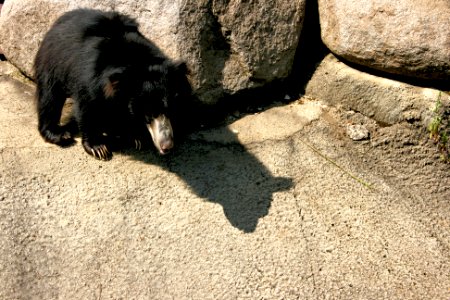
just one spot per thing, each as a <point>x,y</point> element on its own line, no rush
<point>357,132</point>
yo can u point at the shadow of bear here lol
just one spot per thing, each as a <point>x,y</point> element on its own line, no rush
<point>227,174</point>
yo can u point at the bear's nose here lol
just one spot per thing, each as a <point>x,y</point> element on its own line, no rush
<point>166,146</point>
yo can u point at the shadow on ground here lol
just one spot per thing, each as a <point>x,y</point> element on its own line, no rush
<point>223,173</point>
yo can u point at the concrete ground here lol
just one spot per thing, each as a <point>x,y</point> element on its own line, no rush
<point>277,205</point>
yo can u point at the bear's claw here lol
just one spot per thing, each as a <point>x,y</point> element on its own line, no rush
<point>138,144</point>
<point>98,151</point>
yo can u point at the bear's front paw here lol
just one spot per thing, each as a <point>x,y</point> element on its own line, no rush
<point>100,151</point>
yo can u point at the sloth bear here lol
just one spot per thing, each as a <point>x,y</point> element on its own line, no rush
<point>122,86</point>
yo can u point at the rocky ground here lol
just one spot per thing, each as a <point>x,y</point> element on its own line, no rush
<point>279,203</point>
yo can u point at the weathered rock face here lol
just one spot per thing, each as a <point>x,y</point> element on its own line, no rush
<point>228,45</point>
<point>407,37</point>
<point>387,101</point>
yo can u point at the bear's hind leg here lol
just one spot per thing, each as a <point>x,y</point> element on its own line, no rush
<point>49,107</point>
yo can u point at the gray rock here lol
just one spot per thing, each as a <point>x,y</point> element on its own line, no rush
<point>407,37</point>
<point>228,45</point>
<point>387,101</point>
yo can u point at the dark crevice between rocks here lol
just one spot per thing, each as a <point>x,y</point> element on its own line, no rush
<point>2,57</point>
<point>310,51</point>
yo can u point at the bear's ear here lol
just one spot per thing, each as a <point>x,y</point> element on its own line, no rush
<point>113,79</point>
<point>181,67</point>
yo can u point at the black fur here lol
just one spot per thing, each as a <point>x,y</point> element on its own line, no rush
<point>119,81</point>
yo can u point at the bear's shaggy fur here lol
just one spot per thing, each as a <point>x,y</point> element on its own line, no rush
<point>123,87</point>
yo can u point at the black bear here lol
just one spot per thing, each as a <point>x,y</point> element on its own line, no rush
<point>122,86</point>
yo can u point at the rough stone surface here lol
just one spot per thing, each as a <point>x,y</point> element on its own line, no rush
<point>388,101</point>
<point>228,45</point>
<point>279,218</point>
<point>407,37</point>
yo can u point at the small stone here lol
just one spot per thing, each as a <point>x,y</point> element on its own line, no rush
<point>357,132</point>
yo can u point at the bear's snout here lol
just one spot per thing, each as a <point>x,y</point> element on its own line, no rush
<point>162,133</point>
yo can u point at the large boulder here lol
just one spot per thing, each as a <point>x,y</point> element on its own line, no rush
<point>229,45</point>
<point>406,37</point>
